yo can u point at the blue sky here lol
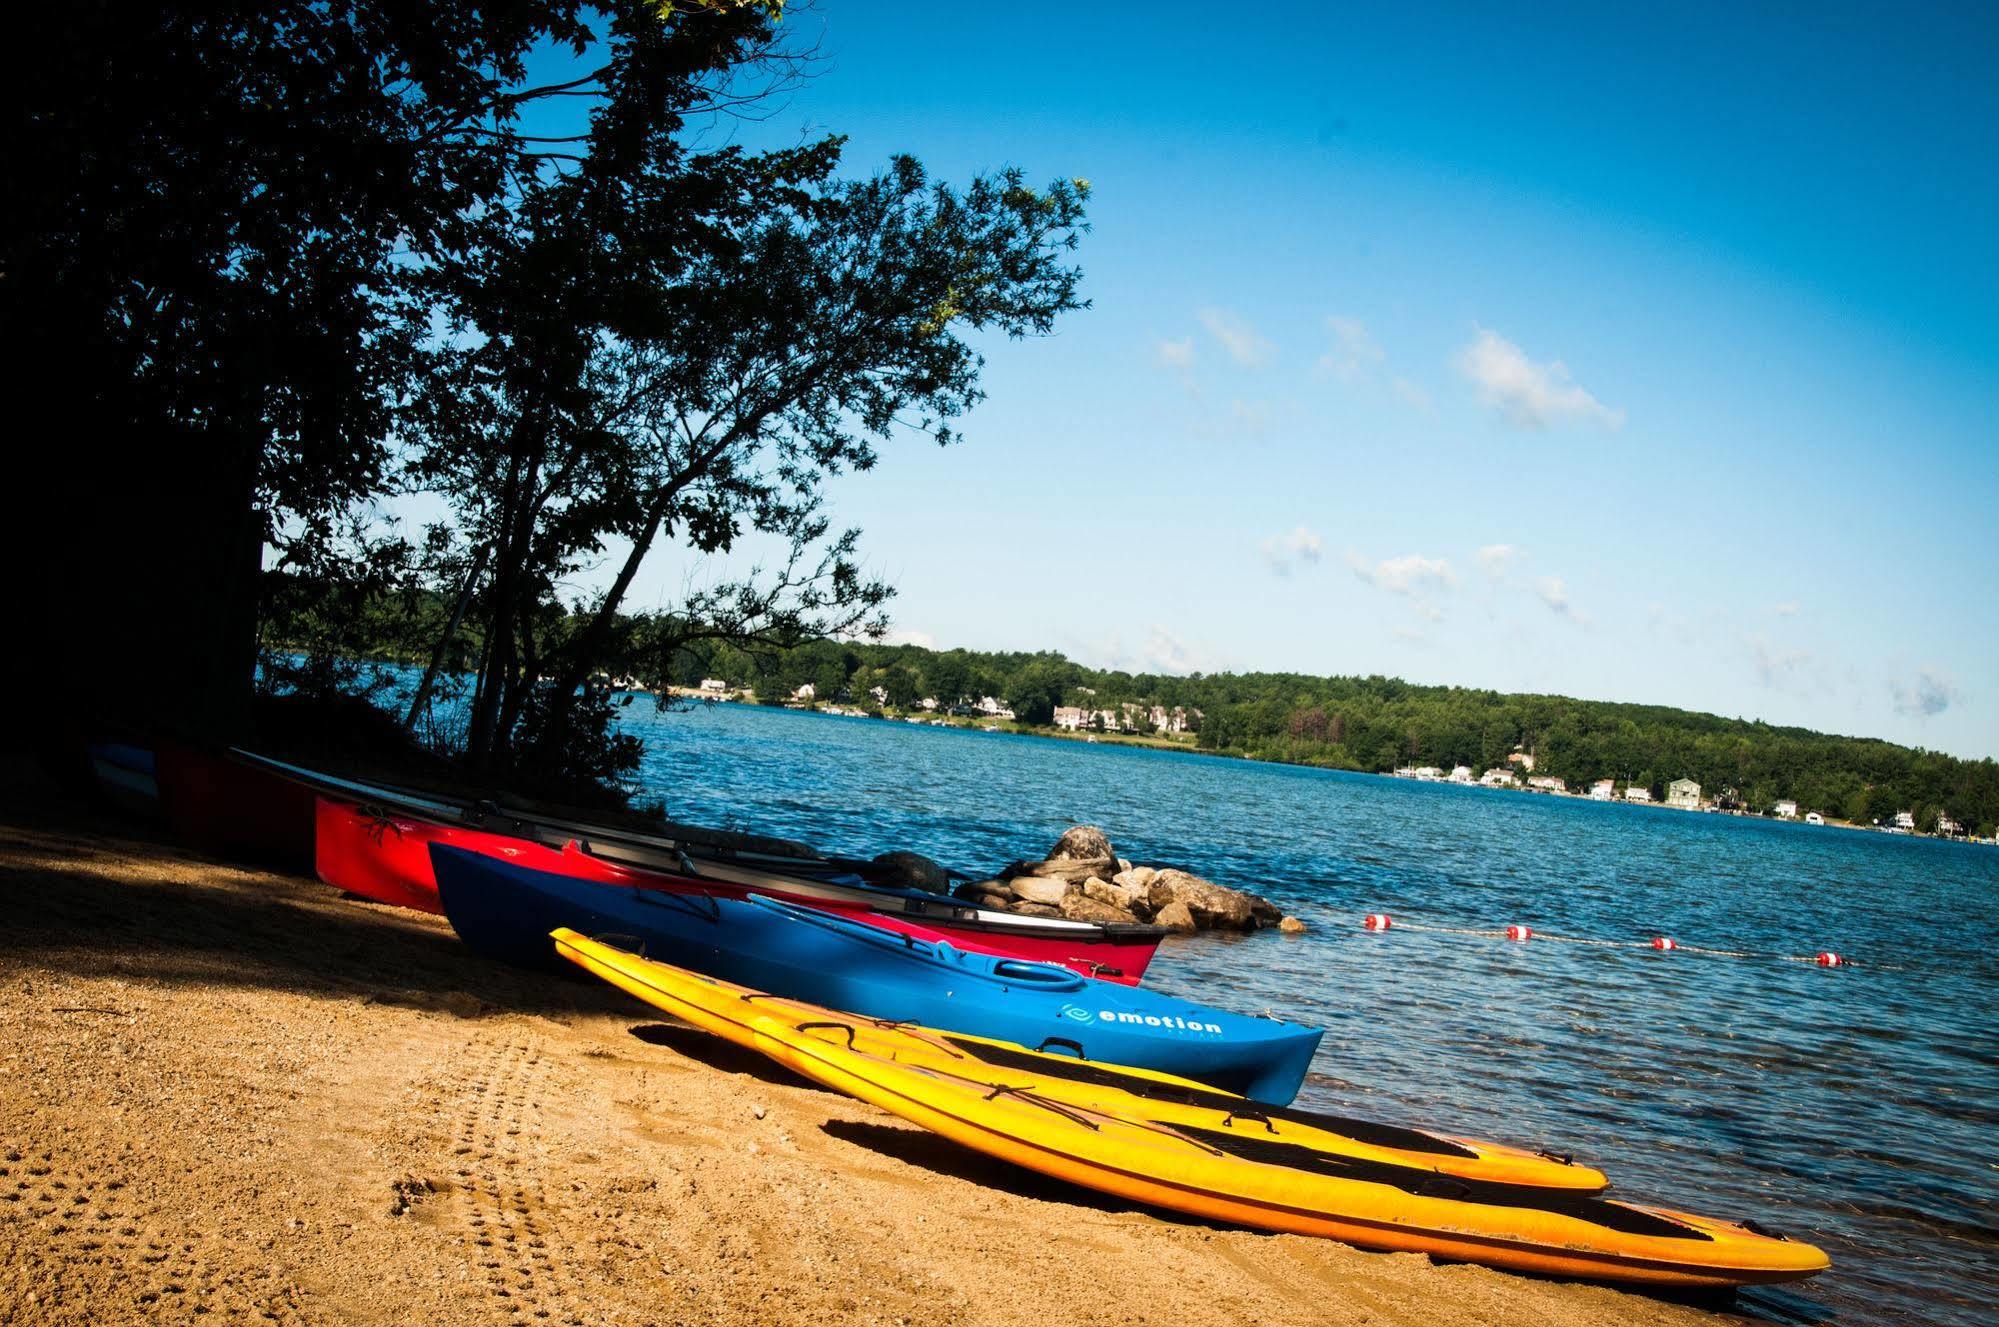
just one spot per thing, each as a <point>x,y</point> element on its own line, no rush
<point>1641,357</point>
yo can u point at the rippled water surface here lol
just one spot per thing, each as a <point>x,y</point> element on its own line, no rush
<point>1855,1107</point>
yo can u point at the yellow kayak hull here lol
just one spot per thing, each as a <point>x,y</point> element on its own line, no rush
<point>730,1011</point>
<point>1181,1169</point>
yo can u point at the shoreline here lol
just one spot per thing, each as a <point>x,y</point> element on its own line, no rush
<point>1186,747</point>
<point>229,1091</point>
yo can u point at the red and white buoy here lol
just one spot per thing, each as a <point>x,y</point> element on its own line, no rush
<point>1518,932</point>
<point>1377,921</point>
<point>1665,942</point>
<point>1828,959</point>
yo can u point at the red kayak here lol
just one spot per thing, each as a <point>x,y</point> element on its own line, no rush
<point>231,809</point>
<point>379,854</point>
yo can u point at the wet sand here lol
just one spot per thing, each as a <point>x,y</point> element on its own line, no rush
<point>229,1095</point>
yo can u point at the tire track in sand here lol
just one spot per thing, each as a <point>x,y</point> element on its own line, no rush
<point>498,1184</point>
<point>79,1237</point>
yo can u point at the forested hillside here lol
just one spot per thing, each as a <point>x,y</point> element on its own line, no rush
<point>1378,723</point>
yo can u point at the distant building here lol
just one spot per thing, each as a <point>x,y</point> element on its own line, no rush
<point>1429,774</point>
<point>1548,783</point>
<point>1072,717</point>
<point>1949,828</point>
<point>1785,810</point>
<point>1603,790</point>
<point>1499,777</point>
<point>1684,793</point>
<point>1814,818</point>
<point>806,692</point>
<point>1461,774</point>
<point>712,684</point>
<point>994,706</point>
<point>1524,759</point>
<point>1174,720</point>
<point>928,703</point>
<point>1905,820</point>
<point>1636,792</point>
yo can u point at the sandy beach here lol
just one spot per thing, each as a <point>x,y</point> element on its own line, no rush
<point>229,1095</point>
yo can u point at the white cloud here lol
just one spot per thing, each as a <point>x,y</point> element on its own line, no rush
<point>1785,610</point>
<point>1775,668</point>
<point>1166,653</point>
<point>1411,574</point>
<point>1249,418</point>
<point>1413,394</point>
<point>1930,693</point>
<point>1409,634</point>
<point>910,636</point>
<point>1498,558</point>
<point>1238,338</point>
<point>1177,354</point>
<point>1555,593</point>
<point>1526,394</point>
<point>1353,349</point>
<point>1285,551</point>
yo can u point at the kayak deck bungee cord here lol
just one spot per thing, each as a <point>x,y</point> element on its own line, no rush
<point>729,1010</point>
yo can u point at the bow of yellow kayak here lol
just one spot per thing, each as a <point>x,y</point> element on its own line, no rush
<point>730,1011</point>
<point>1273,1185</point>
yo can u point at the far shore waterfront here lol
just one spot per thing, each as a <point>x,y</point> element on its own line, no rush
<point>232,1093</point>
<point>1185,742</point>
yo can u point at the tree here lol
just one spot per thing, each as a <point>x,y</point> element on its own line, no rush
<point>214,218</point>
<point>809,319</point>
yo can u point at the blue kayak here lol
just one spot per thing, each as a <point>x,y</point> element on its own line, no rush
<point>506,910</point>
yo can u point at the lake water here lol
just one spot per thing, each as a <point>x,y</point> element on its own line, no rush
<point>1856,1107</point>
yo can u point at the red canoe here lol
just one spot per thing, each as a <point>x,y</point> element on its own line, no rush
<point>384,856</point>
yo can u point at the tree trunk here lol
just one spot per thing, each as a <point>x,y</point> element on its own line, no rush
<point>422,695</point>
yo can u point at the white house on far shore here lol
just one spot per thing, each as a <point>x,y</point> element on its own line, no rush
<point>1637,792</point>
<point>1785,810</point>
<point>1814,818</point>
<point>1499,777</point>
<point>1685,794</point>
<point>1461,774</point>
<point>1602,790</point>
<point>1548,783</point>
<point>713,684</point>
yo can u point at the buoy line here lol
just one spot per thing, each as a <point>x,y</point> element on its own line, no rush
<point>1381,921</point>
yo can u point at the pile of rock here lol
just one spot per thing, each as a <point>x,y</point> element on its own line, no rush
<point>1084,879</point>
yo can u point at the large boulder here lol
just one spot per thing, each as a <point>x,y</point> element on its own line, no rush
<point>1076,870</point>
<point>1291,926</point>
<point>1175,917</point>
<point>912,870</point>
<point>1106,893</point>
<point>1136,877</point>
<point>1039,889</point>
<point>1085,843</point>
<point>1084,908</point>
<point>1212,906</point>
<point>1027,909</point>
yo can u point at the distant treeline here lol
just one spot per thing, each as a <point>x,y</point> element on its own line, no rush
<point>1370,724</point>
<point>1378,723</point>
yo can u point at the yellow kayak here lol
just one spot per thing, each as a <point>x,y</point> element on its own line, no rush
<point>1273,1184</point>
<point>729,1011</point>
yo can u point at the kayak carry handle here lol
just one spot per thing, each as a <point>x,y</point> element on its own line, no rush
<point>847,1028</point>
<point>1075,1046</point>
<point>1023,970</point>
